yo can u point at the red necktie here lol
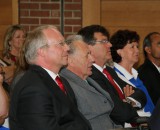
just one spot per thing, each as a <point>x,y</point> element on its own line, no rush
<point>60,84</point>
<point>121,95</point>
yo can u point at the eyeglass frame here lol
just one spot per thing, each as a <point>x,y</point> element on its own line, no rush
<point>101,41</point>
<point>62,43</point>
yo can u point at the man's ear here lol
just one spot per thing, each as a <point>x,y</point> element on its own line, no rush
<point>148,50</point>
<point>41,52</point>
<point>70,59</point>
<point>119,52</point>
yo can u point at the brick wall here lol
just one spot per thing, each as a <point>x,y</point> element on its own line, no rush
<point>37,12</point>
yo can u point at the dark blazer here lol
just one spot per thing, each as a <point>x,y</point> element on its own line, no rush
<point>154,121</point>
<point>37,103</point>
<point>150,76</point>
<point>122,112</point>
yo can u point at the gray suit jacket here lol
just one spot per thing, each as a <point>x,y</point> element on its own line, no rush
<point>92,101</point>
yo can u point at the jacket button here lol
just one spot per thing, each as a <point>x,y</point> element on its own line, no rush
<point>105,101</point>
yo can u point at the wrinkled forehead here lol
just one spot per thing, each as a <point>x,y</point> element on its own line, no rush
<point>82,47</point>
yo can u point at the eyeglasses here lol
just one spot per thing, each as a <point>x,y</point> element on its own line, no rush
<point>101,41</point>
<point>62,43</point>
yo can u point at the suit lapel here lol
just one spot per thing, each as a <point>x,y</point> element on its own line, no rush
<point>99,89</point>
<point>69,91</point>
<point>97,73</point>
<point>77,80</point>
<point>150,64</point>
<point>119,81</point>
<point>50,83</point>
<point>99,77</point>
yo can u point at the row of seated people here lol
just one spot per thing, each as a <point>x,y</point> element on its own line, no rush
<point>114,102</point>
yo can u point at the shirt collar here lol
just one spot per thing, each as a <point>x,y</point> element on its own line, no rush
<point>99,67</point>
<point>158,68</point>
<point>53,75</point>
<point>126,73</point>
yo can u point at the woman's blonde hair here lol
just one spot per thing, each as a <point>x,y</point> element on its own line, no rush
<point>8,36</point>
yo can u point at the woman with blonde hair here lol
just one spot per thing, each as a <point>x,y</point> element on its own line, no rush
<point>13,41</point>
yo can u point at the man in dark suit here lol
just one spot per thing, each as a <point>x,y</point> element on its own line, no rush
<point>149,71</point>
<point>154,121</point>
<point>41,100</point>
<point>97,37</point>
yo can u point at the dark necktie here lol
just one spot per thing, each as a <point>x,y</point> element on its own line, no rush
<point>60,84</point>
<point>121,95</point>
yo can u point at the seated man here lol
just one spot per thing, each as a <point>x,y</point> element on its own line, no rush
<point>38,100</point>
<point>97,37</point>
<point>151,66</point>
<point>92,101</point>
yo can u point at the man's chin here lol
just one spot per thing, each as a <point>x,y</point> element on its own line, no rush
<point>108,60</point>
<point>89,73</point>
<point>65,64</point>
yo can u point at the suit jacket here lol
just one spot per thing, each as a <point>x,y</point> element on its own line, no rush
<point>150,76</point>
<point>154,121</point>
<point>93,102</point>
<point>122,112</point>
<point>37,103</point>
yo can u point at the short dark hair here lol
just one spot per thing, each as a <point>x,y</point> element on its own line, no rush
<point>88,33</point>
<point>147,42</point>
<point>119,40</point>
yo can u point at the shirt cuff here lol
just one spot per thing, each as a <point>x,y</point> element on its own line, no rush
<point>137,104</point>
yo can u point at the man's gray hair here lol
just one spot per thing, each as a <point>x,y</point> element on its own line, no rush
<point>35,40</point>
<point>70,41</point>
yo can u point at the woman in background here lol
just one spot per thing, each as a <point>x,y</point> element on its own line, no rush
<point>125,54</point>
<point>21,67</point>
<point>13,41</point>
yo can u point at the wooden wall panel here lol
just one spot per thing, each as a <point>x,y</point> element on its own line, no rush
<point>130,13</point>
<point>5,12</point>
<point>8,16</point>
<point>15,13</point>
<point>142,16</point>
<point>90,12</point>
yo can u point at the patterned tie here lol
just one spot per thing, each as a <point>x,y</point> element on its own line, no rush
<point>121,95</point>
<point>60,84</point>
